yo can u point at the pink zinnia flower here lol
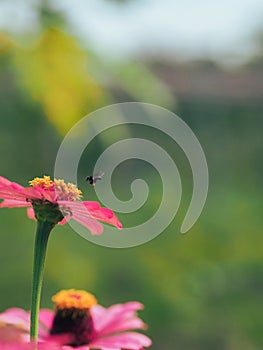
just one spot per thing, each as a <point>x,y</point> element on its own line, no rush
<point>87,324</point>
<point>50,203</point>
<point>57,202</point>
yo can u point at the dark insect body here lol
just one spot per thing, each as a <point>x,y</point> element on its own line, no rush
<point>92,179</point>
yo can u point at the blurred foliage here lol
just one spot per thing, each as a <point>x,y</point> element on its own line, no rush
<point>202,290</point>
<point>137,81</point>
<point>54,70</point>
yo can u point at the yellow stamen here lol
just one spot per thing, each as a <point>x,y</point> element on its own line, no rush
<point>64,192</point>
<point>74,299</point>
<point>67,191</point>
<point>43,182</point>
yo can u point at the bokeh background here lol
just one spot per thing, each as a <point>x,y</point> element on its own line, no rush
<point>60,60</point>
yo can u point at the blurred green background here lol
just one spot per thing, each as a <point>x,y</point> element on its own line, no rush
<point>203,290</point>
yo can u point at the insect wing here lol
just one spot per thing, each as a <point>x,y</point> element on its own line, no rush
<point>98,176</point>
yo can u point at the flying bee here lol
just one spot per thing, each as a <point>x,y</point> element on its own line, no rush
<point>92,179</point>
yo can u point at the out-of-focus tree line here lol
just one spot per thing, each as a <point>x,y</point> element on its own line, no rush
<point>203,290</point>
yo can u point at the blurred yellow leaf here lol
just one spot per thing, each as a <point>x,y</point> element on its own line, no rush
<point>55,73</point>
<point>5,43</point>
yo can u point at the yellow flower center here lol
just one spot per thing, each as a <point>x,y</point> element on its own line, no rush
<point>67,192</point>
<point>44,182</point>
<point>74,299</point>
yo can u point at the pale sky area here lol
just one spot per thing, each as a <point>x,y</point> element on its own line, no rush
<point>187,29</point>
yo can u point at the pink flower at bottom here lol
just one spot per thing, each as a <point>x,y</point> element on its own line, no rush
<point>12,337</point>
<point>88,325</point>
<point>56,202</point>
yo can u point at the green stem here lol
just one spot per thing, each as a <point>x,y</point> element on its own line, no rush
<point>43,230</point>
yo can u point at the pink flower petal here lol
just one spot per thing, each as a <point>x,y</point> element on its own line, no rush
<point>12,203</point>
<point>82,215</point>
<point>17,192</point>
<point>14,343</point>
<point>129,340</point>
<point>102,214</point>
<point>30,213</point>
<point>94,226</point>
<point>4,181</point>
<point>46,317</point>
<point>32,193</point>
<point>91,210</point>
<point>82,347</point>
<point>124,325</point>
<point>106,319</point>
<point>90,205</point>
<point>47,194</point>
<point>65,220</point>
<point>7,192</point>
<point>16,186</point>
<point>17,317</point>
